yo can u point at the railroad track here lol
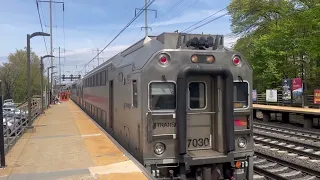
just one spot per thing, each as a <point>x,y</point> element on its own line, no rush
<point>292,132</point>
<point>267,167</point>
<point>286,153</point>
<point>312,152</point>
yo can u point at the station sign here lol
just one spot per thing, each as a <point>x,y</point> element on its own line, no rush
<point>271,95</point>
<point>316,96</point>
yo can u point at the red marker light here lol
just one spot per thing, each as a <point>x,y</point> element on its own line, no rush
<point>236,60</point>
<point>163,60</point>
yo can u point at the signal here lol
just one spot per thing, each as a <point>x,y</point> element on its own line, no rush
<point>71,76</point>
<point>63,77</point>
<point>79,76</point>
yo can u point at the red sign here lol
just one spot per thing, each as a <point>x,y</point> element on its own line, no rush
<point>316,96</point>
<point>296,84</point>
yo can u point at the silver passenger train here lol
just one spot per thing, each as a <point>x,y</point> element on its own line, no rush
<point>179,103</point>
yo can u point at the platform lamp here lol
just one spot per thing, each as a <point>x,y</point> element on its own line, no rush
<point>41,77</point>
<point>48,89</point>
<point>29,72</point>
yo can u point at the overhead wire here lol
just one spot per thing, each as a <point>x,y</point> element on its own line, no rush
<point>208,22</point>
<point>168,11</point>
<point>139,13</point>
<point>204,19</point>
<point>179,13</point>
<point>44,40</point>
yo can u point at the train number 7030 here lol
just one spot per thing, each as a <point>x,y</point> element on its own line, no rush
<point>198,143</point>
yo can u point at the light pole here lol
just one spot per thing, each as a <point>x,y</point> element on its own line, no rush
<point>52,92</point>
<point>41,76</point>
<point>29,70</point>
<point>48,89</point>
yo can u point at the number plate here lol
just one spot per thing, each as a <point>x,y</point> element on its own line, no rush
<point>199,143</point>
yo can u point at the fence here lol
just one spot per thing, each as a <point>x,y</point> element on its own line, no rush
<point>261,99</point>
<point>15,122</point>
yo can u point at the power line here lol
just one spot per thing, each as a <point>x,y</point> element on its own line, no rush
<point>179,13</point>
<point>207,22</point>
<point>44,40</point>
<point>204,19</point>
<point>170,8</point>
<point>139,13</point>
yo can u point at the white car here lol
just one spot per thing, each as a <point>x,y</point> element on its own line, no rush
<point>8,109</point>
<point>8,126</point>
<point>8,101</point>
<point>9,105</point>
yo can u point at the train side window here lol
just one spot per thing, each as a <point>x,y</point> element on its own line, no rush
<point>197,95</point>
<point>240,94</point>
<point>162,96</point>
<point>103,78</point>
<point>105,83</point>
<point>134,94</point>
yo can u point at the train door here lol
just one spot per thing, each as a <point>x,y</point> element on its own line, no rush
<point>200,116</point>
<point>111,104</point>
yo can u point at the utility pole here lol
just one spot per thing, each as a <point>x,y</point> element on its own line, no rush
<point>51,48</point>
<point>41,84</point>
<point>146,27</point>
<point>98,55</point>
<point>51,41</point>
<point>59,73</point>
<point>146,17</point>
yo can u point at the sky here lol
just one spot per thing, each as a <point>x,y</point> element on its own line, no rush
<point>86,25</point>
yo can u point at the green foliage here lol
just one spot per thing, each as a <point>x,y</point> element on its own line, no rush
<point>279,38</point>
<point>14,76</point>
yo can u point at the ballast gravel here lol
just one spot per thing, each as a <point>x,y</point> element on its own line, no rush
<point>291,138</point>
<point>285,157</point>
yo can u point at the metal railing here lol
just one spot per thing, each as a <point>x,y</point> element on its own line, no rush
<point>15,123</point>
<point>261,99</point>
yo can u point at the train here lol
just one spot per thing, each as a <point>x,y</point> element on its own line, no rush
<point>180,103</point>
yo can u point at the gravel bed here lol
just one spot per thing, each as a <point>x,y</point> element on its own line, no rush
<point>286,125</point>
<point>287,137</point>
<point>285,157</point>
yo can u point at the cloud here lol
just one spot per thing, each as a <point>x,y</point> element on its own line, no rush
<point>230,41</point>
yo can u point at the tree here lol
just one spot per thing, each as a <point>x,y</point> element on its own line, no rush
<point>279,38</point>
<point>14,76</point>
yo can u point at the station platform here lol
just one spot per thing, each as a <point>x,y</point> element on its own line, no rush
<point>67,145</point>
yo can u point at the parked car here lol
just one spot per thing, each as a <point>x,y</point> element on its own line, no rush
<point>9,125</point>
<point>8,101</point>
<point>8,109</point>
<point>9,105</point>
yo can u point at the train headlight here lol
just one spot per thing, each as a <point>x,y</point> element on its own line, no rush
<point>159,148</point>
<point>242,142</point>
<point>210,59</point>
<point>194,59</point>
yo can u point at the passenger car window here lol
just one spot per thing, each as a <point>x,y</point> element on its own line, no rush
<point>134,93</point>
<point>240,94</point>
<point>197,95</point>
<point>162,96</point>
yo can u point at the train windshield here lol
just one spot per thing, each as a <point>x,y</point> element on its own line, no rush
<point>162,96</point>
<point>240,94</point>
<point>197,93</point>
